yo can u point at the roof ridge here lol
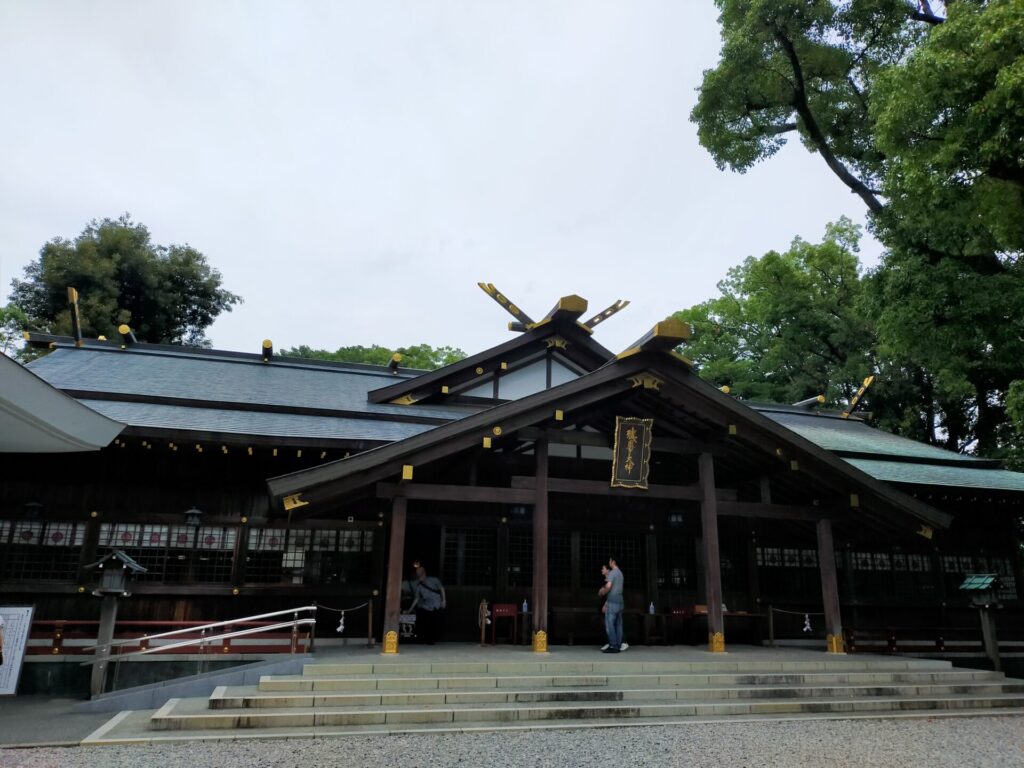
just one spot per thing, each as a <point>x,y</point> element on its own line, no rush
<point>231,356</point>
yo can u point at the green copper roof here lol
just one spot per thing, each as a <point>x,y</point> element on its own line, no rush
<point>937,474</point>
<point>852,436</point>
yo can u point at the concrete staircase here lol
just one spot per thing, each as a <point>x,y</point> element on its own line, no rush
<point>393,696</point>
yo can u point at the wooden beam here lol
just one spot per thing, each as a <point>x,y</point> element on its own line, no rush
<point>712,563</point>
<point>597,440</point>
<point>455,493</point>
<point>569,309</point>
<point>663,337</point>
<point>758,429</point>
<point>602,488</point>
<point>335,479</point>
<point>776,511</point>
<point>605,313</point>
<point>540,550</point>
<point>829,588</point>
<point>393,594</point>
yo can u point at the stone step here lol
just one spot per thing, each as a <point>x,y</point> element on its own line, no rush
<point>178,716</point>
<point>297,683</point>
<point>514,668</point>
<point>247,698</point>
<point>134,727</point>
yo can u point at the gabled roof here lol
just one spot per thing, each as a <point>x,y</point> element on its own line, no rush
<point>675,380</point>
<point>572,340</point>
<point>122,557</point>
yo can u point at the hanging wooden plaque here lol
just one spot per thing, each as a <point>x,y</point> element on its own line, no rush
<point>631,457</point>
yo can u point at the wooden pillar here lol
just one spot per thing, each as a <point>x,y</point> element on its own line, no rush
<point>501,560</point>
<point>89,547</point>
<point>829,588</point>
<point>540,550</point>
<point>988,637</point>
<point>651,551</point>
<point>712,563</point>
<point>240,554</point>
<point>753,573</point>
<point>393,593</point>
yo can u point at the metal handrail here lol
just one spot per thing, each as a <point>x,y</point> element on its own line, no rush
<point>203,627</point>
<point>208,640</point>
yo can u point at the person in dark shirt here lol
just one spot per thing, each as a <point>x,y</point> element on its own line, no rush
<point>429,602</point>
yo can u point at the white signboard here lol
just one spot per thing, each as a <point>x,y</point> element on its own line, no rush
<point>16,623</point>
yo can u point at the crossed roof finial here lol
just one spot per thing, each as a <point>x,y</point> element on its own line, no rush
<point>569,307</point>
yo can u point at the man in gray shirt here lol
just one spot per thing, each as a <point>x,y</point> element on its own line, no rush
<point>613,607</point>
<point>429,603</point>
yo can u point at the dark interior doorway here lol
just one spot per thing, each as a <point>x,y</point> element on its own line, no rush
<point>422,545</point>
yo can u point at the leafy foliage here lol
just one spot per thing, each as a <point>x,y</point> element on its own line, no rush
<point>421,356</point>
<point>12,323</point>
<point>951,126</point>
<point>167,294</point>
<point>797,324</point>
<point>923,119</point>
<point>787,325</point>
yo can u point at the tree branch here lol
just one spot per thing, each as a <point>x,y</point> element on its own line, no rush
<point>803,109</point>
<point>925,13</point>
<point>775,130</point>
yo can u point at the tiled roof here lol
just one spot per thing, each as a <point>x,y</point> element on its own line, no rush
<point>254,422</point>
<point>852,436</point>
<point>892,458</point>
<point>935,474</point>
<point>214,379</point>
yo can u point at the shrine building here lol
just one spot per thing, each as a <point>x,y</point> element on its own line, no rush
<point>249,482</point>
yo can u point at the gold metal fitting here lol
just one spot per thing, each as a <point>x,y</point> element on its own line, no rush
<point>835,644</point>
<point>716,642</point>
<point>540,641</point>
<point>391,642</point>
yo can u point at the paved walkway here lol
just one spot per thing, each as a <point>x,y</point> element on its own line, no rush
<point>42,720</point>
<point>974,742</point>
<point>469,652</point>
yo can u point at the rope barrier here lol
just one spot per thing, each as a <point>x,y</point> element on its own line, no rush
<point>342,610</point>
<point>341,619</point>
<point>795,613</point>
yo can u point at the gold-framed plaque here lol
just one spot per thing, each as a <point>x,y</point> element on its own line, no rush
<point>631,457</point>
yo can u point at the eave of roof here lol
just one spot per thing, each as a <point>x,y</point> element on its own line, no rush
<point>856,438</point>
<point>947,476</point>
<point>515,414</point>
<point>35,417</point>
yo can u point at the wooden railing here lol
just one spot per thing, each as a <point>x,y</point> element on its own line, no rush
<point>937,640</point>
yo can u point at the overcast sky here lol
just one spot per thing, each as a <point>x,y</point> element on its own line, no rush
<point>354,168</point>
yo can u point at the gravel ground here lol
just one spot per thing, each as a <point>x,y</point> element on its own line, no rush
<point>959,742</point>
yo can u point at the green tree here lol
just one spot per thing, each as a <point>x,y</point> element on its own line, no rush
<point>421,356</point>
<point>793,325</point>
<point>1015,410</point>
<point>921,117</point>
<point>167,294</point>
<point>787,325</point>
<point>13,323</point>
